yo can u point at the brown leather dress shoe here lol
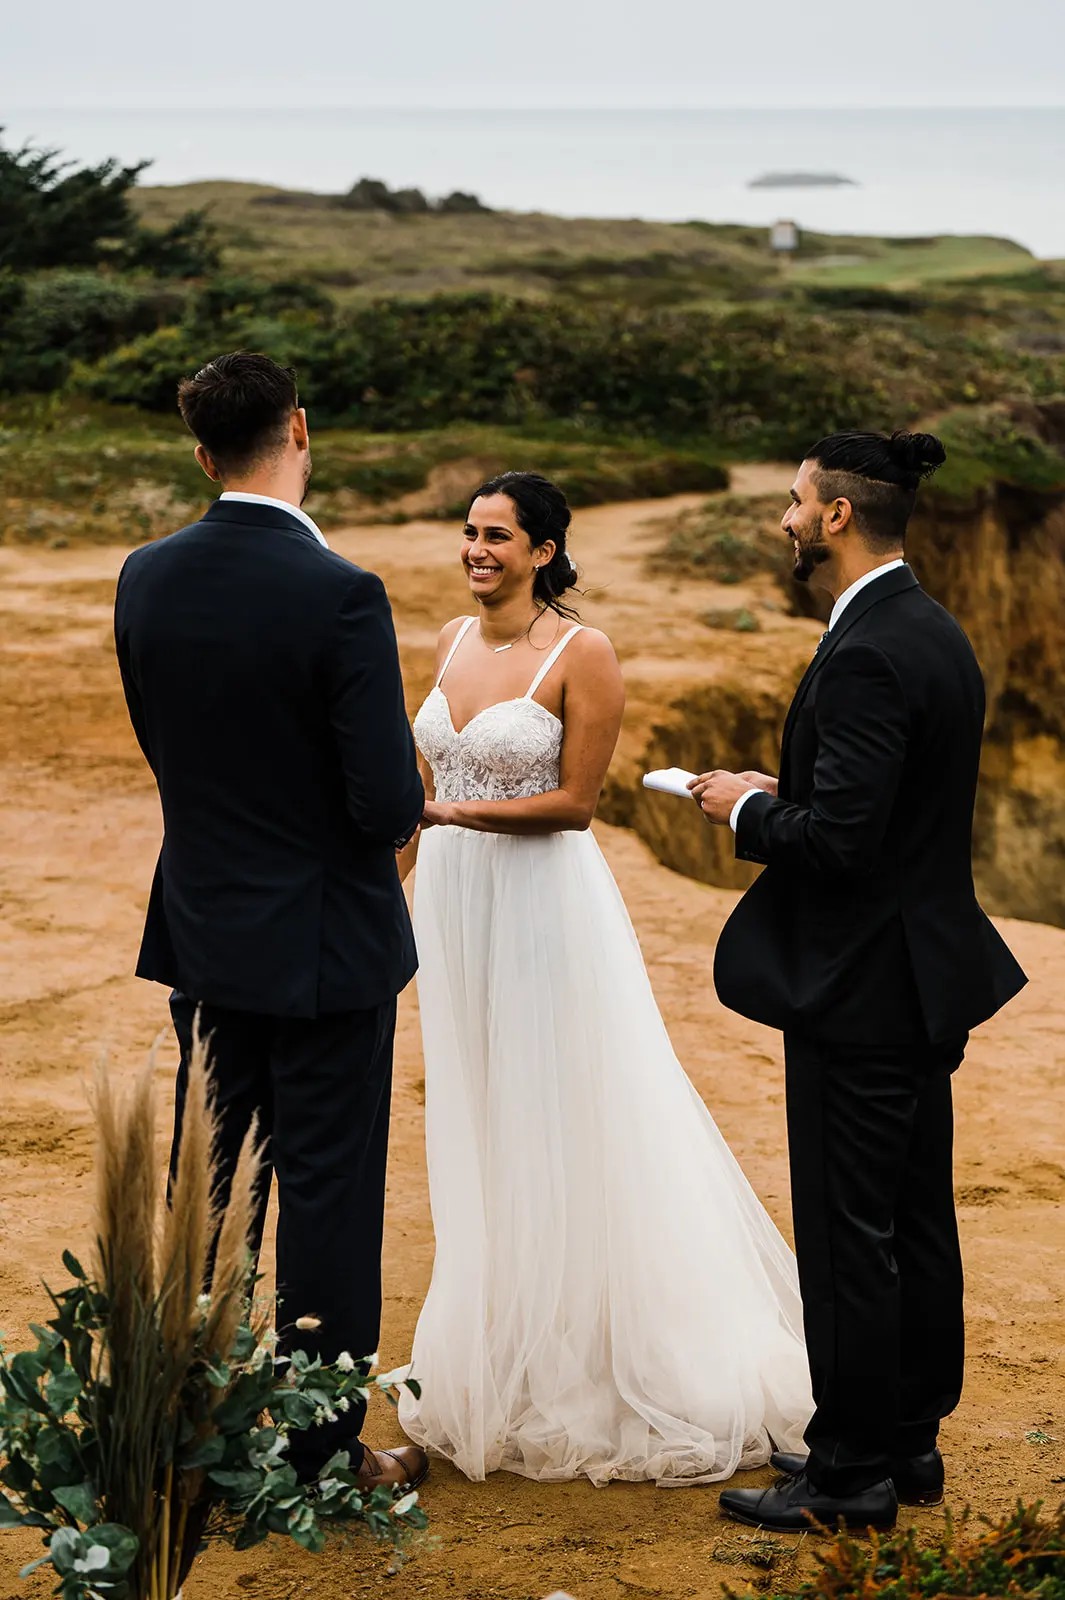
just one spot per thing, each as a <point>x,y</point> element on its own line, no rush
<point>405,1467</point>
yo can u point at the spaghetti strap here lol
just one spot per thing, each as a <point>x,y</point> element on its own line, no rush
<point>463,631</point>
<point>552,658</point>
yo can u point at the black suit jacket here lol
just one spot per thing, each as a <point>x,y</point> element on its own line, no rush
<point>864,927</point>
<point>262,679</point>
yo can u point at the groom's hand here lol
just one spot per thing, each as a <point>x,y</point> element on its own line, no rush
<point>717,793</point>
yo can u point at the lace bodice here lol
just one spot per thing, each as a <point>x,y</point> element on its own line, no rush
<point>508,751</point>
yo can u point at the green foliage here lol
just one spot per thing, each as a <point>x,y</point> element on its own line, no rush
<point>188,248</point>
<point>1022,1555</point>
<point>750,378</point>
<point>996,444</point>
<point>221,1457</point>
<point>82,471</point>
<point>54,216</point>
<point>730,538</point>
<point>58,215</point>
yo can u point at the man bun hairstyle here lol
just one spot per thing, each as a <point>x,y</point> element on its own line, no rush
<point>879,474</point>
<point>239,406</point>
<point>543,513</point>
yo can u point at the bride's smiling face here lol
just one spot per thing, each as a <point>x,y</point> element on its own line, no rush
<point>497,554</point>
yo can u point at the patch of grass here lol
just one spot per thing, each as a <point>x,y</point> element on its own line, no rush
<point>81,472</point>
<point>740,621</point>
<point>728,539</point>
<point>903,263</point>
<point>996,444</point>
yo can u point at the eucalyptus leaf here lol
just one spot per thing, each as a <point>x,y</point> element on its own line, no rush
<point>206,1453</point>
<point>73,1266</point>
<point>9,1516</point>
<point>79,1499</point>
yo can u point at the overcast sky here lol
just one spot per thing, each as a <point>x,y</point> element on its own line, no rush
<point>496,53</point>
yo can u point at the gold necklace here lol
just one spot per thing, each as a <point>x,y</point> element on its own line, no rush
<point>497,649</point>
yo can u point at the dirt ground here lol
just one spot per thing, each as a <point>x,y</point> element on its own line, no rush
<point>79,828</point>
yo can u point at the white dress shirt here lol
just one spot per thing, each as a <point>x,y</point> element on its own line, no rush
<point>279,505</point>
<point>837,611</point>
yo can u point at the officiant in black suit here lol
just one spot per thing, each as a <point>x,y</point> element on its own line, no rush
<point>863,941</point>
<point>263,683</point>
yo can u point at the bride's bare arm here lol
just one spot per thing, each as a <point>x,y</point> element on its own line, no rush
<point>407,858</point>
<point>594,699</point>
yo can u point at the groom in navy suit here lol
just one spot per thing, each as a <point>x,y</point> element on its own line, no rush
<point>262,679</point>
<point>863,941</point>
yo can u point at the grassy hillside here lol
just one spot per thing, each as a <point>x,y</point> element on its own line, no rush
<point>359,255</point>
<point>71,471</point>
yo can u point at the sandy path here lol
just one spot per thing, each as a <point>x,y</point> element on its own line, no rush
<point>78,833</point>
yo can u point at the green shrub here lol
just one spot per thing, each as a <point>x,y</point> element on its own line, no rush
<point>728,539</point>
<point>1023,1554</point>
<point>996,444</point>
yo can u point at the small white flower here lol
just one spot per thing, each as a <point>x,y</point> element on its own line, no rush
<point>308,1324</point>
<point>95,1561</point>
<point>330,1414</point>
<point>203,1305</point>
<point>343,1404</point>
<point>345,1361</point>
<point>408,1502</point>
<point>373,1360</point>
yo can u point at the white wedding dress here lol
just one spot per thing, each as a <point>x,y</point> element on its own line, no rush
<point>609,1298</point>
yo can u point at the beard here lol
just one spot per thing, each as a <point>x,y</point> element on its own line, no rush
<point>813,553</point>
<point>306,477</point>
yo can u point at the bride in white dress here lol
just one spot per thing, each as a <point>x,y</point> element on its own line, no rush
<point>609,1298</point>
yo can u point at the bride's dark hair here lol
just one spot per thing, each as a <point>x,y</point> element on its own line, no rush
<point>543,514</point>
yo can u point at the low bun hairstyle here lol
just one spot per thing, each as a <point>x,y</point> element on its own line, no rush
<point>543,513</point>
<point>879,474</point>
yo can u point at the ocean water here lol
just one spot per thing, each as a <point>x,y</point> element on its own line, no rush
<point>998,172</point>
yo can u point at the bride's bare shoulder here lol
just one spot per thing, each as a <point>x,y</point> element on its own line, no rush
<point>447,636</point>
<point>593,645</point>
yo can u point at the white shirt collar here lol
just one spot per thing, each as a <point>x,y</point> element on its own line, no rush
<point>279,505</point>
<point>848,594</point>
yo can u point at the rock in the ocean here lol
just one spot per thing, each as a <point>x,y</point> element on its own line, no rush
<point>801,180</point>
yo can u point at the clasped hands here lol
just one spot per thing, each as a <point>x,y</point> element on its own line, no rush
<point>717,792</point>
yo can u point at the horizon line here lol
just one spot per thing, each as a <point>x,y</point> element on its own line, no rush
<point>512,110</point>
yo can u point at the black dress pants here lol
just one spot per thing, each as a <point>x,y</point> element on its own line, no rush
<point>322,1092</point>
<point>870,1136</point>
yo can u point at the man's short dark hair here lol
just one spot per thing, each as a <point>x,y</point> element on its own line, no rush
<point>879,474</point>
<point>239,407</point>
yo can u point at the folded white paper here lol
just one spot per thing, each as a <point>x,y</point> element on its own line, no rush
<point>670,780</point>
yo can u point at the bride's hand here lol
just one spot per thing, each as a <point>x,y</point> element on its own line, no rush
<point>438,814</point>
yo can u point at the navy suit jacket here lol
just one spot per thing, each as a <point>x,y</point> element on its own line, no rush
<point>262,678</point>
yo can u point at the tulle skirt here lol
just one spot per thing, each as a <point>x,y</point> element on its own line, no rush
<point>609,1298</point>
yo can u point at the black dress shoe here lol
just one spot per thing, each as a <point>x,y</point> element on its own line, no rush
<point>791,1505</point>
<point>918,1480</point>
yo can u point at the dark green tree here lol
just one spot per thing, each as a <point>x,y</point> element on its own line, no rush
<point>53,214</point>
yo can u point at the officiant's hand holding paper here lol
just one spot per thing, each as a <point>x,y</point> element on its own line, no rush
<point>717,793</point>
<point>671,780</point>
<point>760,780</point>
